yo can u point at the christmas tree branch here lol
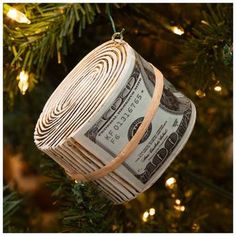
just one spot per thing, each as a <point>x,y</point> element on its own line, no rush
<point>11,204</point>
<point>207,53</point>
<point>82,207</point>
<point>50,31</point>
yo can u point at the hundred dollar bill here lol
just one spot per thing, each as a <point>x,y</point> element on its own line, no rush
<point>97,110</point>
<point>164,138</point>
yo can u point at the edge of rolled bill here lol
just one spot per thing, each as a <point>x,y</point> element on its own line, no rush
<point>98,108</point>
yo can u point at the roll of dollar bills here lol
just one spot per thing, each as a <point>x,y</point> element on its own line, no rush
<point>89,121</point>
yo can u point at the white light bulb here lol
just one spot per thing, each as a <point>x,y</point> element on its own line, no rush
<point>170,183</point>
<point>18,16</point>
<point>23,83</point>
<point>177,30</point>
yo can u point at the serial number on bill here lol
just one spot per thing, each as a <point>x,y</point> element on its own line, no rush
<point>112,134</point>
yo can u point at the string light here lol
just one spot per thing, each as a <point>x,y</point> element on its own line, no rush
<point>195,227</point>
<point>177,205</point>
<point>145,216</point>
<point>204,22</point>
<point>179,208</point>
<point>217,88</point>
<point>17,16</point>
<point>76,181</point>
<point>200,93</point>
<point>170,183</point>
<point>23,81</point>
<point>177,30</point>
<point>177,202</point>
<point>152,211</point>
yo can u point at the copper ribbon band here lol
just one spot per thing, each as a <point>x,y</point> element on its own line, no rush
<point>133,143</point>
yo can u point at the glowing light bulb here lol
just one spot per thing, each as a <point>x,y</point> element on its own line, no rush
<point>200,93</point>
<point>152,211</point>
<point>179,208</point>
<point>23,81</point>
<point>217,88</point>
<point>177,202</point>
<point>145,216</point>
<point>76,181</point>
<point>170,183</point>
<point>177,30</point>
<point>195,227</point>
<point>17,16</point>
<point>204,22</point>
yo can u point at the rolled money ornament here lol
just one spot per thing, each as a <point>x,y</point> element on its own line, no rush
<point>116,121</point>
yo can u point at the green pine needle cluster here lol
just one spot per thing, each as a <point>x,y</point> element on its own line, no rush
<point>207,53</point>
<point>79,210</point>
<point>11,204</point>
<point>29,47</point>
